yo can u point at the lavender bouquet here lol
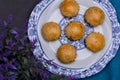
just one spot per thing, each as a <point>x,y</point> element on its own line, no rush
<point>16,59</point>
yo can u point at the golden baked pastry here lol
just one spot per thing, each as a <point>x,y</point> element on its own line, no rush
<point>69,8</point>
<point>74,30</point>
<point>51,31</point>
<point>66,53</point>
<point>95,41</point>
<point>94,16</point>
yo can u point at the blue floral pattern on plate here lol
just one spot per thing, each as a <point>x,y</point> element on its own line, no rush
<point>82,72</point>
<point>79,44</point>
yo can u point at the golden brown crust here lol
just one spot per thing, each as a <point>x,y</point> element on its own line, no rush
<point>66,53</point>
<point>94,16</point>
<point>69,8</point>
<point>74,30</point>
<point>95,41</point>
<point>51,31</point>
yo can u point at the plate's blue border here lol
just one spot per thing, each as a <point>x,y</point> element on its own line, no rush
<point>78,72</point>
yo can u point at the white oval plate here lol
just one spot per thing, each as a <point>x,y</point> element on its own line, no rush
<point>87,63</point>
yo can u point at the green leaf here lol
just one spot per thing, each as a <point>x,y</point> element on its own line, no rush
<point>25,61</point>
<point>27,73</point>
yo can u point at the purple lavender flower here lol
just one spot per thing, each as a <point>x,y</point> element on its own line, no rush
<point>5,23</point>
<point>11,66</point>
<point>2,36</point>
<point>10,18</point>
<point>13,31</point>
<point>1,76</point>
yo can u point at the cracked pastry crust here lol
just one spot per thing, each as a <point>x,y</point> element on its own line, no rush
<point>95,41</point>
<point>94,16</point>
<point>66,53</point>
<point>51,31</point>
<point>75,30</point>
<point>69,8</point>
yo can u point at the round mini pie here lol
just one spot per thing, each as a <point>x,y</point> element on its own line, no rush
<point>75,30</point>
<point>69,8</point>
<point>66,53</point>
<point>51,31</point>
<point>94,16</point>
<point>95,41</point>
